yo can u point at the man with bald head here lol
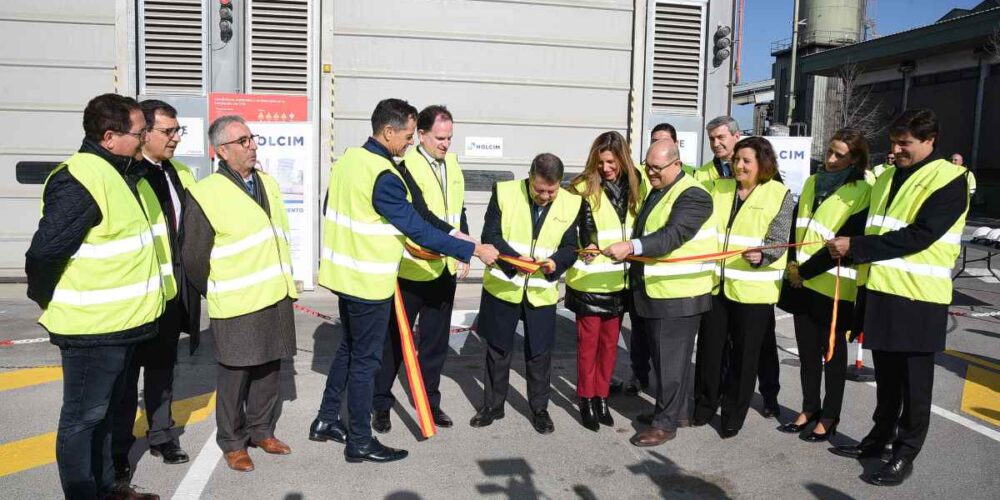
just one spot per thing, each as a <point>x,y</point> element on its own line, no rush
<point>669,299</point>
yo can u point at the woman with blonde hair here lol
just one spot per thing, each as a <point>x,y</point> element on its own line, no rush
<point>612,190</point>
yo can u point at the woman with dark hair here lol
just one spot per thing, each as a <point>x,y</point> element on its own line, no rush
<point>752,210</point>
<point>834,202</point>
<point>611,190</point>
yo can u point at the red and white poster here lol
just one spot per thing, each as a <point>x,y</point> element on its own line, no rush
<point>285,150</point>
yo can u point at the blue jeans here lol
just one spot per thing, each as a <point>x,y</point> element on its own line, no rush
<point>355,366</point>
<point>93,385</point>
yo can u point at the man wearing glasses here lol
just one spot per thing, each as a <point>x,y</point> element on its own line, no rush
<point>235,251</point>
<point>93,270</point>
<point>166,179</point>
<point>675,221</point>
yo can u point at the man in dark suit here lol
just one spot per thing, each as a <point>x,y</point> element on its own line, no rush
<point>669,299</point>
<point>534,219</point>
<point>157,357</point>
<point>913,237</point>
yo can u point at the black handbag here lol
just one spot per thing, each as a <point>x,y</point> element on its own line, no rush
<point>793,300</point>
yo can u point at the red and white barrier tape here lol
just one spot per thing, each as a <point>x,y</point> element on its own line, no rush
<point>11,343</point>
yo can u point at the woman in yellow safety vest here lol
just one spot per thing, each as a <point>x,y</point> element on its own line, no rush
<point>834,202</point>
<point>751,210</point>
<point>611,188</point>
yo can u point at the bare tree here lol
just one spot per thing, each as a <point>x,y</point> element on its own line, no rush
<point>993,43</point>
<point>854,106</point>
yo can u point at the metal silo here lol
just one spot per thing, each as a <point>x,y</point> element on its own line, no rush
<point>831,22</point>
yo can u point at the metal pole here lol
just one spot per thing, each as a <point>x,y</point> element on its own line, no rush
<point>794,62</point>
<point>984,71</point>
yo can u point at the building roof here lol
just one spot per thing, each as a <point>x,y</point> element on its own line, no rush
<point>967,31</point>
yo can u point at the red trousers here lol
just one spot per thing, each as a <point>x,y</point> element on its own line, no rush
<point>597,348</point>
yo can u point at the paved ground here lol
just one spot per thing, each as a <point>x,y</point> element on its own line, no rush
<point>508,459</point>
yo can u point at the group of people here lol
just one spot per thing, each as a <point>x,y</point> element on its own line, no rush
<point>129,242</point>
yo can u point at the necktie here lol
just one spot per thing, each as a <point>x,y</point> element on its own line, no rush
<point>727,169</point>
<point>439,170</point>
<point>250,186</point>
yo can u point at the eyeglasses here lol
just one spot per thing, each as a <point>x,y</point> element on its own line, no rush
<point>242,141</point>
<point>653,169</point>
<point>169,132</point>
<point>138,135</point>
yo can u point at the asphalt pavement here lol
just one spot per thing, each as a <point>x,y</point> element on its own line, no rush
<point>508,459</point>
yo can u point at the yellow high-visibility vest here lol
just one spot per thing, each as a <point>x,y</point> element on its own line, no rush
<point>449,210</point>
<point>113,282</point>
<point>250,266</point>
<point>516,227</point>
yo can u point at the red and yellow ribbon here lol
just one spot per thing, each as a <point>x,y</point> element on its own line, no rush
<point>833,322</point>
<point>413,374</point>
<point>523,265</point>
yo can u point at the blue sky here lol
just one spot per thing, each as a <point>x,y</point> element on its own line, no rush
<point>767,21</point>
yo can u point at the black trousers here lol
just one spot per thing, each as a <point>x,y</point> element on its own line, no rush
<point>93,382</point>
<point>639,350</point>
<point>156,358</point>
<point>904,383</point>
<point>246,404</point>
<point>432,302</point>
<point>672,342</point>
<point>742,327</point>
<point>768,368</point>
<point>812,336</point>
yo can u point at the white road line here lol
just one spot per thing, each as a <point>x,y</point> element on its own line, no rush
<point>197,476</point>
<point>960,420</point>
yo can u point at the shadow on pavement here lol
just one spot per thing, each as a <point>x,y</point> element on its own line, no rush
<point>674,482</point>
<point>827,493</point>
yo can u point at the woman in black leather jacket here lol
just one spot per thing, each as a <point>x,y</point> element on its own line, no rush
<point>595,286</point>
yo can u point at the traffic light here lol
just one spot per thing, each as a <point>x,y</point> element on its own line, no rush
<point>723,44</point>
<point>226,20</point>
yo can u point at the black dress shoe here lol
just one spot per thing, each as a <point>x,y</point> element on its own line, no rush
<point>728,433</point>
<point>893,473</point>
<point>441,419</point>
<point>374,452</point>
<point>616,385</point>
<point>123,472</point>
<point>542,422</point>
<point>831,430</point>
<point>770,412</point>
<point>380,421</point>
<point>328,431</point>
<point>634,386</point>
<point>603,412</point>
<point>485,416</point>
<point>698,421</point>
<point>171,452</point>
<point>588,415</point>
<point>793,428</point>
<point>863,450</point>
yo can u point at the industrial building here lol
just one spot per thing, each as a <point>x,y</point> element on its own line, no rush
<point>952,67</point>
<point>520,76</point>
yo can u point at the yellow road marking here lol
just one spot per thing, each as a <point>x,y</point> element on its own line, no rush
<point>29,377</point>
<point>36,451</point>
<point>981,394</point>
<point>973,359</point>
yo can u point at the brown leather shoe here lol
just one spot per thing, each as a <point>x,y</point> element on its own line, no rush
<point>273,446</point>
<point>239,460</point>
<point>127,492</point>
<point>652,437</point>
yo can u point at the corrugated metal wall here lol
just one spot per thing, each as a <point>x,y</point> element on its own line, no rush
<point>54,56</point>
<point>543,75</point>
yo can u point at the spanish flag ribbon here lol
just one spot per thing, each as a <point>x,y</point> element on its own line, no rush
<point>833,322</point>
<point>413,374</point>
<point>527,266</point>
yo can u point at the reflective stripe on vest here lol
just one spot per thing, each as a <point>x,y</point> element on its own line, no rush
<point>250,266</point>
<point>361,249</point>
<point>161,238</point>
<point>449,210</point>
<point>680,279</point>
<point>925,275</point>
<point>743,282</point>
<point>113,282</point>
<point>516,228</point>
<point>602,275</point>
<point>822,225</point>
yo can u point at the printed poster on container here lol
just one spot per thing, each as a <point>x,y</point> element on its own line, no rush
<point>285,151</point>
<point>793,160</point>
